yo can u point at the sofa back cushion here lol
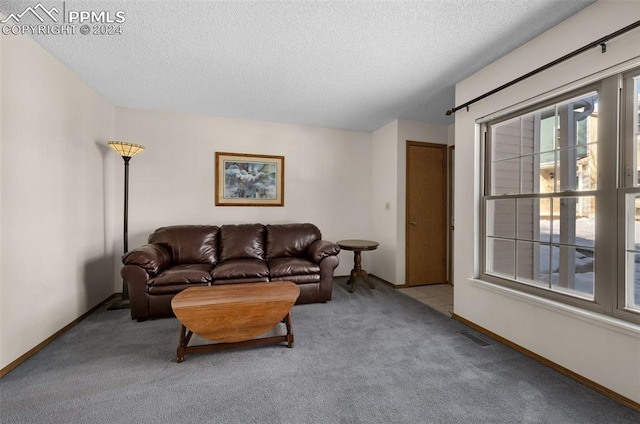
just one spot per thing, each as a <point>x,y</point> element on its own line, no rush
<point>290,239</point>
<point>245,241</point>
<point>189,244</point>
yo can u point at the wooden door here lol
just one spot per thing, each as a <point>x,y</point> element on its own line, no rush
<point>426,226</point>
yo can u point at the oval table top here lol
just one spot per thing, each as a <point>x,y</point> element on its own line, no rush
<point>358,244</point>
<point>234,312</point>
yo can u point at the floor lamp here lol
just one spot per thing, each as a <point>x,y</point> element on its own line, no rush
<point>127,151</point>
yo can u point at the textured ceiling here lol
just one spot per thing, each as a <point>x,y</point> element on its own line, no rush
<point>339,64</point>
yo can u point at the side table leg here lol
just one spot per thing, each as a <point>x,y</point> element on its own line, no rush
<point>357,267</point>
<point>365,277</point>
<point>353,280</point>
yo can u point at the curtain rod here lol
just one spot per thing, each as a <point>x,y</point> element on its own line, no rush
<point>600,42</point>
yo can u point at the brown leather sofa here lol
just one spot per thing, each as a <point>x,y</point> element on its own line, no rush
<point>182,256</point>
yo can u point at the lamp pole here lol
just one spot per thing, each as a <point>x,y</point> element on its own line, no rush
<point>127,151</point>
<point>124,301</point>
<point>125,224</point>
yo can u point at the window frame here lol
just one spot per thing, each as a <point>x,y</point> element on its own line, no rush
<point>609,276</point>
<point>627,176</point>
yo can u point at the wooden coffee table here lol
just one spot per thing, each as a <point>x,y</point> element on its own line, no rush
<point>233,315</point>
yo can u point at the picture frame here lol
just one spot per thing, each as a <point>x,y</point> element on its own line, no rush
<point>243,179</point>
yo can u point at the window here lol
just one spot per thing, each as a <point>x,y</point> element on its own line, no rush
<point>550,217</point>
<point>630,295</point>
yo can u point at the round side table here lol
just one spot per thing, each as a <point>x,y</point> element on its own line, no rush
<point>357,246</point>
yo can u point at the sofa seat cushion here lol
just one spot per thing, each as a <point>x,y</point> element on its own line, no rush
<point>173,288</point>
<point>182,274</point>
<point>299,279</point>
<point>284,267</point>
<point>241,281</point>
<point>240,269</point>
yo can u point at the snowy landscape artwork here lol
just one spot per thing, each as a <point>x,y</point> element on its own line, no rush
<point>249,180</point>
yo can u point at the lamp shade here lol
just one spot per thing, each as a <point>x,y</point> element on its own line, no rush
<point>126,150</point>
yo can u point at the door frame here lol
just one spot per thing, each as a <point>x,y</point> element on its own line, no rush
<point>451,169</point>
<point>445,202</point>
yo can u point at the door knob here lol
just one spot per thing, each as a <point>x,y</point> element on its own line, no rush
<point>413,223</point>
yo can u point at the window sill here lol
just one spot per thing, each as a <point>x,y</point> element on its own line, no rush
<point>590,317</point>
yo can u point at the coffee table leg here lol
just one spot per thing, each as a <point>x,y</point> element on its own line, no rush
<point>289,324</point>
<point>185,337</point>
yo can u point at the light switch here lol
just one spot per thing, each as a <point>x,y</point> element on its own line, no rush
<point>387,206</point>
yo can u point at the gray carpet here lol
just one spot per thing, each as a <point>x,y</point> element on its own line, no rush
<point>375,356</point>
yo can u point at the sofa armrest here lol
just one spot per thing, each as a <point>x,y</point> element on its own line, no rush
<point>152,257</point>
<point>320,249</point>
<point>136,279</point>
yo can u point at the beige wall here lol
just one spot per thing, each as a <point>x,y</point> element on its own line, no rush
<point>410,131</point>
<point>57,237</point>
<point>327,174</point>
<point>597,347</point>
<point>384,189</point>
<point>389,164</point>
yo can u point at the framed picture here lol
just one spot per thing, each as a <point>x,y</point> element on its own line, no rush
<point>249,180</point>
